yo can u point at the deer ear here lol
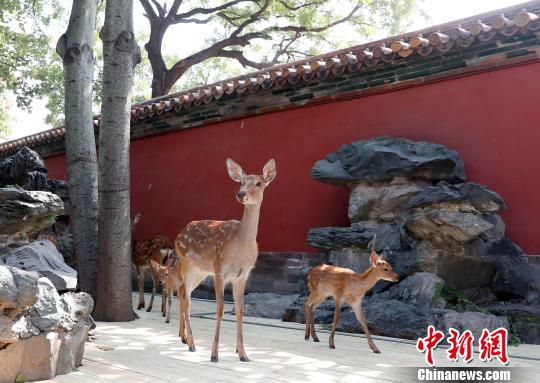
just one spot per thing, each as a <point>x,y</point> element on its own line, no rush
<point>373,258</point>
<point>235,171</point>
<point>269,171</point>
<point>382,257</point>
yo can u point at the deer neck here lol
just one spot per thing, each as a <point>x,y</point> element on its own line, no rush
<point>367,279</point>
<point>250,223</point>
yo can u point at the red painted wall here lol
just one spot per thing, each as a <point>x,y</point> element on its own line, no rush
<point>491,119</point>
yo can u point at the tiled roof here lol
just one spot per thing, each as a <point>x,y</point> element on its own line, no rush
<point>522,19</point>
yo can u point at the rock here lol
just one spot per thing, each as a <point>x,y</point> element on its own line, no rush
<point>61,235</point>
<point>393,318</point>
<point>385,158</point>
<point>267,305</point>
<point>420,289</point>
<point>524,320</point>
<point>381,201</point>
<point>340,237</point>
<point>27,212</point>
<point>24,168</point>
<point>478,196</point>
<point>18,289</point>
<point>359,235</point>
<point>514,278</point>
<point>43,258</point>
<point>473,321</point>
<point>295,311</point>
<point>480,296</point>
<point>46,338</point>
<point>465,272</point>
<point>446,223</point>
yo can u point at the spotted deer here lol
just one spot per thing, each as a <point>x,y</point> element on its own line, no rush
<point>345,286</point>
<point>142,252</point>
<point>170,274</point>
<point>225,249</point>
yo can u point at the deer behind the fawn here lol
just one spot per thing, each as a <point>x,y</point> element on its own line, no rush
<point>225,249</point>
<point>345,286</point>
<point>142,253</point>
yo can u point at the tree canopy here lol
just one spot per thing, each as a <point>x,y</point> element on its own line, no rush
<point>242,35</point>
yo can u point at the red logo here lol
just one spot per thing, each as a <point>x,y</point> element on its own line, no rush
<point>460,345</point>
<point>429,343</point>
<point>493,345</point>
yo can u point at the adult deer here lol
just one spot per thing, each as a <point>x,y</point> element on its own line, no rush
<point>225,249</point>
<point>345,286</point>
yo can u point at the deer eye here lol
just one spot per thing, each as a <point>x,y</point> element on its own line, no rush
<point>258,184</point>
<point>385,269</point>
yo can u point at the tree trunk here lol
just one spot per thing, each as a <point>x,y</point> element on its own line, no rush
<point>75,48</point>
<point>120,55</point>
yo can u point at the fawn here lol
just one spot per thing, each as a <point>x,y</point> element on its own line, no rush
<point>345,286</point>
<point>142,252</point>
<point>225,249</point>
<point>171,277</point>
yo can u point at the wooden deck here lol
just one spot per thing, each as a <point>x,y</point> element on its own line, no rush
<point>148,350</point>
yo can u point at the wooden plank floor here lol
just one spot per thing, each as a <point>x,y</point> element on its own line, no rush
<point>148,350</point>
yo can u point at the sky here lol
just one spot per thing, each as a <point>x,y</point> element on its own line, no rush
<point>438,11</point>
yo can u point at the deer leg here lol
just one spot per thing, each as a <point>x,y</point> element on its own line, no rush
<point>307,317</point>
<point>239,287</point>
<point>187,314</point>
<point>334,324</point>
<point>312,303</point>
<point>154,288</point>
<point>180,293</point>
<point>140,279</point>
<point>163,301</point>
<point>219,289</point>
<point>169,295</point>
<point>357,308</point>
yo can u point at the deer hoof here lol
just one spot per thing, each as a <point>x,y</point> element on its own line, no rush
<point>191,348</point>
<point>167,321</point>
<point>213,359</point>
<point>244,358</point>
<point>184,340</point>
<point>332,347</point>
<point>149,309</point>
<point>306,337</point>
<point>376,350</point>
<point>315,339</point>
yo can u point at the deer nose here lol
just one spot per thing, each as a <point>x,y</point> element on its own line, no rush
<point>241,194</point>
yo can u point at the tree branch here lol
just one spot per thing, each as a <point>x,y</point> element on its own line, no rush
<point>239,56</point>
<point>293,8</point>
<point>175,18</point>
<point>150,13</point>
<point>299,29</point>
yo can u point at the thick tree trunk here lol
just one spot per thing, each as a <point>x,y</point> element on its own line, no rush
<point>75,48</point>
<point>120,55</point>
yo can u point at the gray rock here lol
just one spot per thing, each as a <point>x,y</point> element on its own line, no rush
<point>385,158</point>
<point>48,337</point>
<point>358,236</point>
<point>514,277</point>
<point>18,288</point>
<point>381,201</point>
<point>446,223</point>
<point>420,289</point>
<point>267,305</point>
<point>43,258</point>
<point>24,168</point>
<point>524,320</point>
<point>479,196</point>
<point>27,212</point>
<point>473,321</point>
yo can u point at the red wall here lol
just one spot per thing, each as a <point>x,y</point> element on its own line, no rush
<point>491,119</point>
